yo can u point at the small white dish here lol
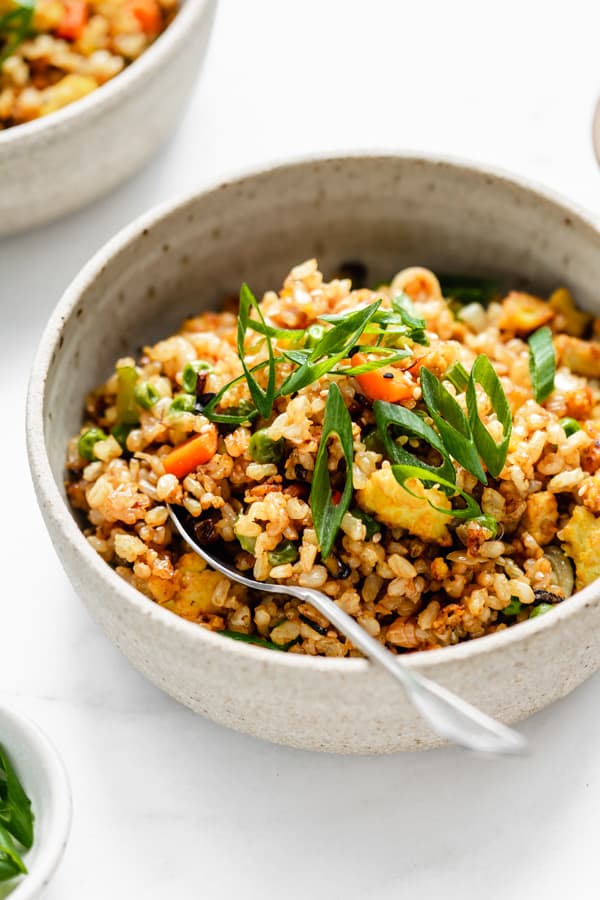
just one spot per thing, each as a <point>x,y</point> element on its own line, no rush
<point>60,162</point>
<point>44,779</point>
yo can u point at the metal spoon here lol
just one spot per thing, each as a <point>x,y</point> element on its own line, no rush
<point>445,713</point>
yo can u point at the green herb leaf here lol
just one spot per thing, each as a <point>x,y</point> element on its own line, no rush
<point>458,376</point>
<point>334,346</point>
<point>263,399</point>
<point>542,363</point>
<point>469,288</point>
<point>327,516</point>
<point>11,863</point>
<point>402,474</point>
<point>15,806</point>
<point>15,27</point>
<point>252,639</point>
<point>281,334</point>
<point>451,423</point>
<point>388,415</point>
<point>493,454</point>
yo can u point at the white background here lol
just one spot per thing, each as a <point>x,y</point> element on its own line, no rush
<point>168,805</point>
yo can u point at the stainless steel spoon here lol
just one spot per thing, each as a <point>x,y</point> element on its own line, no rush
<point>445,713</point>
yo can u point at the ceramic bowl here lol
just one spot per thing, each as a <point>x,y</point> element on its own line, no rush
<point>390,212</point>
<point>60,162</point>
<point>44,779</point>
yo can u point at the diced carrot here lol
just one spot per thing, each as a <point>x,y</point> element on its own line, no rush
<point>73,21</point>
<point>195,452</point>
<point>387,383</point>
<point>147,12</point>
<point>336,496</point>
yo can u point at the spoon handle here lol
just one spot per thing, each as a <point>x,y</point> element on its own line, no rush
<point>446,714</point>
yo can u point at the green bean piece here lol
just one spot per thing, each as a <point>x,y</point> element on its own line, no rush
<point>146,395</point>
<point>87,441</point>
<point>263,449</point>
<point>570,426</point>
<point>285,552</point>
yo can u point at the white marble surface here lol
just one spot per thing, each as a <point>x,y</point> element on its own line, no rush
<point>169,805</point>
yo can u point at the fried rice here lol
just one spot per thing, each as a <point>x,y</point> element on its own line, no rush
<point>406,560</point>
<point>54,52</point>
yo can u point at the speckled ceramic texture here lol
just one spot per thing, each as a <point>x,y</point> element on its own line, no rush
<point>60,162</point>
<point>389,211</point>
<point>44,778</point>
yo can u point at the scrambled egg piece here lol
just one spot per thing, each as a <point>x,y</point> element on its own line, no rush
<point>541,516</point>
<point>189,593</point>
<point>523,313</point>
<point>581,357</point>
<point>581,535</point>
<point>387,500</point>
<point>568,318</point>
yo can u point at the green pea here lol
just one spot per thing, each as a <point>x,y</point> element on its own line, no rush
<point>513,608</point>
<point>146,395</point>
<point>183,403</point>
<point>371,524</point>
<point>189,376</point>
<point>540,610</point>
<point>264,449</point>
<point>85,445</point>
<point>285,552</point>
<point>314,333</point>
<point>570,426</point>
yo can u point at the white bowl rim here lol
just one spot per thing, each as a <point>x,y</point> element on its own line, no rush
<point>57,508</point>
<point>158,52</point>
<point>50,853</point>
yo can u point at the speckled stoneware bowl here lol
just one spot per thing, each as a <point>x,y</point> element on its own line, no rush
<point>389,211</point>
<point>56,164</point>
<point>44,778</point>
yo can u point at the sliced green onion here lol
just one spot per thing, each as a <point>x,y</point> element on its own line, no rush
<point>15,27</point>
<point>372,526</point>
<point>252,639</point>
<point>314,333</point>
<point>388,356</point>
<point>410,318</point>
<point>540,610</point>
<point>451,423</point>
<point>264,449</point>
<point>285,552</point>
<point>146,395</point>
<point>542,363</point>
<point>263,398</point>
<point>85,444</point>
<point>246,542</point>
<point>493,454</point>
<point>189,376</point>
<point>469,288</point>
<point>374,442</point>
<point>16,815</point>
<point>388,415</point>
<point>327,515</point>
<point>183,403</point>
<point>570,426</point>
<point>402,474</point>
<point>458,376</point>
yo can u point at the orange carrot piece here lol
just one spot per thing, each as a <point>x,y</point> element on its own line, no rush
<point>147,12</point>
<point>387,383</point>
<point>187,456</point>
<point>73,21</point>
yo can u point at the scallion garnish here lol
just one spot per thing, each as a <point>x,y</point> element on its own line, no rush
<point>327,515</point>
<point>570,425</point>
<point>458,376</point>
<point>189,376</point>
<point>253,639</point>
<point>391,415</point>
<point>15,26</point>
<point>493,454</point>
<point>263,398</point>
<point>542,363</point>
<point>469,288</point>
<point>472,510</point>
<point>452,424</point>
